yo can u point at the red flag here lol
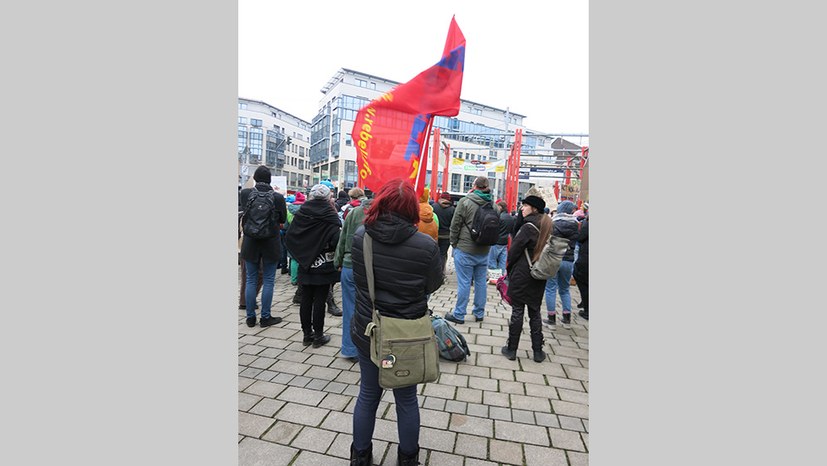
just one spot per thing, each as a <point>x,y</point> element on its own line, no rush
<point>390,131</point>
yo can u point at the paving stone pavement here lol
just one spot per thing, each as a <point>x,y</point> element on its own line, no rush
<point>295,403</point>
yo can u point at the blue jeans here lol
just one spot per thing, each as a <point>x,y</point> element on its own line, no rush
<point>561,282</point>
<point>348,308</point>
<point>268,282</point>
<point>496,257</point>
<point>470,266</point>
<point>364,414</point>
<point>576,251</point>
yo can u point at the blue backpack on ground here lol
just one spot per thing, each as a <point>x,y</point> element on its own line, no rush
<point>452,345</point>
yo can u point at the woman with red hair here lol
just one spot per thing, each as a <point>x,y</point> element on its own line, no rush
<point>406,268</point>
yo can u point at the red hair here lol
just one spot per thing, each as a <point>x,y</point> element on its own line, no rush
<point>396,196</point>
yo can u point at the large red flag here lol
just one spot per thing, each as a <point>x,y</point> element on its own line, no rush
<point>389,132</point>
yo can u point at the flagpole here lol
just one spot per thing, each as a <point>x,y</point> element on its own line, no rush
<point>423,159</point>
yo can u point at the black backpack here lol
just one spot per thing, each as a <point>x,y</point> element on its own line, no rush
<point>451,344</point>
<point>260,215</point>
<point>485,228</point>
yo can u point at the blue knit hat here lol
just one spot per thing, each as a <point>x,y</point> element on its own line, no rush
<point>566,207</point>
<point>329,184</point>
<point>290,198</point>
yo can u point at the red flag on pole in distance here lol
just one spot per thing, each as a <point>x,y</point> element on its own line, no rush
<point>389,132</point>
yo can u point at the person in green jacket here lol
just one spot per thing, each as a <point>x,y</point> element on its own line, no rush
<point>342,261</point>
<point>470,258</point>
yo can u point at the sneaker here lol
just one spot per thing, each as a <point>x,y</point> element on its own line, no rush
<point>242,307</point>
<point>583,314</point>
<point>334,311</point>
<point>509,353</point>
<point>478,319</point>
<point>580,305</point>
<point>307,340</point>
<point>321,341</point>
<point>268,321</point>
<point>566,320</point>
<point>251,321</point>
<point>449,316</point>
<point>551,322</point>
<point>539,356</point>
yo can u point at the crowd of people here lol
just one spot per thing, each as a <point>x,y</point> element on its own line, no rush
<point>318,239</point>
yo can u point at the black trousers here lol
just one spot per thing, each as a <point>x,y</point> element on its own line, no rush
<point>444,244</point>
<point>515,326</point>
<point>312,308</point>
<point>581,276</point>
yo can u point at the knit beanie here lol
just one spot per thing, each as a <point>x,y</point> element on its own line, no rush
<point>320,191</point>
<point>262,174</point>
<point>300,198</point>
<point>566,207</point>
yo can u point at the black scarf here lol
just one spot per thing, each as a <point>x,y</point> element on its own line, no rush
<point>311,230</point>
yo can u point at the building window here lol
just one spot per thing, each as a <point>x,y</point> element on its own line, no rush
<point>256,123</point>
<point>373,86</point>
<point>348,142</point>
<point>361,82</point>
<point>242,120</point>
<point>242,106</point>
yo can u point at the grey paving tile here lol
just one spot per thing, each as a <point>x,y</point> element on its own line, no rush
<point>577,373</point>
<point>434,439</point>
<point>283,432</point>
<point>339,422</point>
<point>476,462</point>
<point>472,425</point>
<point>440,391</point>
<point>571,423</point>
<point>521,433</point>
<point>434,403</point>
<point>453,379</point>
<point>246,359</point>
<point>290,367</point>
<point>474,371</point>
<point>530,403</point>
<point>517,388</point>
<point>301,414</point>
<point>265,375</point>
<point>262,363</point>
<point>323,373</point>
<point>440,458</point>
<point>541,391</point>
<point>341,446</point>
<point>313,439</point>
<point>469,395</point>
<point>244,382</point>
<point>267,407</point>
<point>495,399</point>
<point>254,452</point>
<point>544,456</point>
<point>247,401</point>
<point>253,425</point>
<point>578,459</point>
<point>262,388</point>
<point>497,412</point>
<point>565,408</point>
<point>506,452</point>
<point>574,396</point>
<point>502,374</point>
<point>477,409</point>
<point>251,349</point>
<point>471,445</point>
<point>523,417</point>
<point>458,407</point>
<point>335,402</point>
<point>250,372</point>
<point>316,384</point>
<point>480,383</point>
<point>309,458</point>
<point>548,420</point>
<point>335,387</point>
<point>282,378</point>
<point>566,439</point>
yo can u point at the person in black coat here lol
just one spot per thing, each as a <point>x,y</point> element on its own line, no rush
<point>523,289</point>
<point>581,267</point>
<point>262,253</point>
<point>444,210</point>
<point>407,267</point>
<point>311,240</point>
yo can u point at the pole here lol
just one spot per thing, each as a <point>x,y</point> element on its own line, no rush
<point>445,175</point>
<point>435,165</point>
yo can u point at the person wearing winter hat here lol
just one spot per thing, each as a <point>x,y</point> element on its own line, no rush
<point>311,240</point>
<point>294,266</point>
<point>300,198</point>
<point>565,226</point>
<point>524,290</point>
<point>444,211</point>
<point>263,252</point>
<point>498,252</point>
<point>428,223</point>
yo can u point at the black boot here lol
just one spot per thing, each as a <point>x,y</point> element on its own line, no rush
<point>407,460</point>
<point>332,308</point>
<point>297,298</point>
<point>361,458</point>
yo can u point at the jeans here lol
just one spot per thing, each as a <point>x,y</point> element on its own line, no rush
<point>562,282</point>
<point>364,414</point>
<point>348,308</point>
<point>470,266</point>
<point>496,257</point>
<point>250,290</point>
<point>576,251</point>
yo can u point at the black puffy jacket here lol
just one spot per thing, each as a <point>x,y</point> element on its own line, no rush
<point>407,266</point>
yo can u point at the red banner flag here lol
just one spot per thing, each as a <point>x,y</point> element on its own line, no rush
<point>390,131</point>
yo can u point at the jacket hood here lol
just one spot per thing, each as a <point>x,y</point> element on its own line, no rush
<point>445,203</point>
<point>477,198</point>
<point>426,212</point>
<point>391,229</point>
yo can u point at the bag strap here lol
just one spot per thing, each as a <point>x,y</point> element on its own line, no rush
<point>367,249</point>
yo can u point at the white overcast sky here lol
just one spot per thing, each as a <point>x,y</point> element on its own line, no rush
<point>529,56</point>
